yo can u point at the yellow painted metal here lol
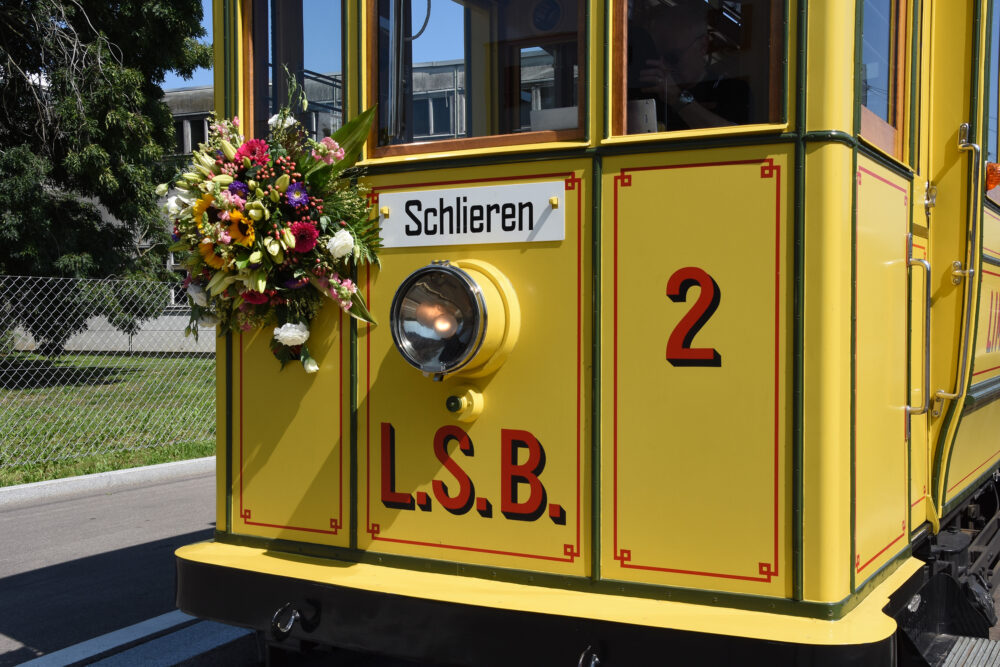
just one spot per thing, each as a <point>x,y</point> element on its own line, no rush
<point>228,12</point>
<point>674,422</point>
<point>696,358</point>
<point>830,78</point>
<point>882,220</point>
<point>223,516</point>
<point>866,623</point>
<point>219,56</point>
<point>501,333</point>
<point>986,365</point>
<point>991,235</point>
<point>826,393</point>
<point>977,449</point>
<point>291,460</point>
<point>950,43</point>
<point>523,509</point>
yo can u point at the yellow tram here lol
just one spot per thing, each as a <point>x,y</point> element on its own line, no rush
<point>726,281</point>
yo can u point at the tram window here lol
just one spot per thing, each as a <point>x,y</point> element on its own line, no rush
<point>457,69</point>
<point>882,73</point>
<point>690,64</point>
<point>298,40</point>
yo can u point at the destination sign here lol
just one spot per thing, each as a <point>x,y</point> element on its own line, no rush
<point>516,213</point>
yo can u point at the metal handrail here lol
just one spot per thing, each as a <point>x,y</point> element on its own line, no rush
<point>968,272</point>
<point>925,389</point>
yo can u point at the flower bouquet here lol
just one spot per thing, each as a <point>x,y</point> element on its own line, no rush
<point>273,228</point>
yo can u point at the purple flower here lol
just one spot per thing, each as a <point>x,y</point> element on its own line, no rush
<point>296,195</point>
<point>239,188</point>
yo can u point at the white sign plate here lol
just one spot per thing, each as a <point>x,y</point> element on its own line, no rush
<point>518,213</point>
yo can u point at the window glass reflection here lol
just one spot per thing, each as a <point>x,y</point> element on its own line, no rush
<point>701,63</point>
<point>476,68</point>
<point>300,42</point>
<point>877,67</point>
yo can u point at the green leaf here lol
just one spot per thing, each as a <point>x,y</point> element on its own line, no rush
<point>359,310</point>
<point>352,137</point>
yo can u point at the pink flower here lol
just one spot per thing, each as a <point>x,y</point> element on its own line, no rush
<point>236,121</point>
<point>233,200</point>
<point>305,236</point>
<point>329,152</point>
<point>224,236</point>
<point>255,149</point>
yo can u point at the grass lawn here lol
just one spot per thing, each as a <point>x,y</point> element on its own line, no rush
<point>78,414</point>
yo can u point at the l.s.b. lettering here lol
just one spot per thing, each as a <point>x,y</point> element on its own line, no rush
<point>523,496</point>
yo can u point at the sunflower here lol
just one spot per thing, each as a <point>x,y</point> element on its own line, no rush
<point>200,206</point>
<point>241,229</point>
<point>207,250</point>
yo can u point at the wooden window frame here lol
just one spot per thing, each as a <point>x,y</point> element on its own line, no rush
<point>469,143</point>
<point>888,136</point>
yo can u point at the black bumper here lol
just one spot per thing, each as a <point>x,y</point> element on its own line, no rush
<point>442,633</point>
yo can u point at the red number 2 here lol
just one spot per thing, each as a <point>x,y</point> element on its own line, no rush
<point>679,350</point>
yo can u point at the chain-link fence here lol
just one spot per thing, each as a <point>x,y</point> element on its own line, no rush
<point>91,367</point>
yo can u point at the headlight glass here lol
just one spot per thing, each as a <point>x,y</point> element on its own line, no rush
<point>437,318</point>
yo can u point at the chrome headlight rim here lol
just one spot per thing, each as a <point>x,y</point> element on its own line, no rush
<point>402,342</point>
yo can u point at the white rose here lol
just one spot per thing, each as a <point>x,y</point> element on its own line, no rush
<point>291,334</point>
<point>274,120</point>
<point>161,189</point>
<point>310,365</point>
<point>341,245</point>
<point>198,295</point>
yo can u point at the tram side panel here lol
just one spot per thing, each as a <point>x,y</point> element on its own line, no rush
<point>879,452</point>
<point>290,446</point>
<point>696,361</point>
<point>976,450</point>
<point>509,488</point>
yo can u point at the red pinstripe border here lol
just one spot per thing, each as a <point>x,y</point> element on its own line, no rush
<point>854,327</point>
<point>335,524</point>
<point>570,551</point>
<point>766,571</point>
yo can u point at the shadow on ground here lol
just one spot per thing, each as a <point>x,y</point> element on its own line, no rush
<point>39,373</point>
<point>54,607</point>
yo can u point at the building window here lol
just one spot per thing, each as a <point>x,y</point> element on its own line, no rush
<point>694,64</point>
<point>190,130</point>
<point>453,70</point>
<point>882,65</point>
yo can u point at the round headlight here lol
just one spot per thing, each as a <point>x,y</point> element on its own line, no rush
<point>447,317</point>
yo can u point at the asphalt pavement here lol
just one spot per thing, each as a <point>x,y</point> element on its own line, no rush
<point>86,557</point>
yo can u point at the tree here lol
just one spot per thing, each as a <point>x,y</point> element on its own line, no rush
<point>84,132</point>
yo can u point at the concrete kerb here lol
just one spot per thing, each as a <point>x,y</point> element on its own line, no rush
<point>104,482</point>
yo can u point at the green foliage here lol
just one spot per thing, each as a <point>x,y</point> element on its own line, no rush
<point>82,136</point>
<point>84,127</point>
